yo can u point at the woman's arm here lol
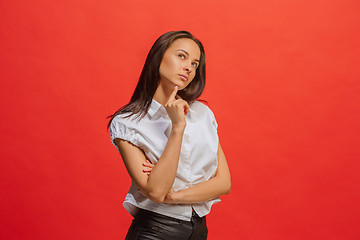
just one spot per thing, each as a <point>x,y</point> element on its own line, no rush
<point>219,185</point>
<point>158,183</point>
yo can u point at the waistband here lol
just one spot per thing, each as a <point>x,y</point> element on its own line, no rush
<point>144,212</point>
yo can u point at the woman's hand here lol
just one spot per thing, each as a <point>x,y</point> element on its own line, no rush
<point>148,166</point>
<point>177,108</point>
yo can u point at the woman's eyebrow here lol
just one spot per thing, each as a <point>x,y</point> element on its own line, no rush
<point>182,50</point>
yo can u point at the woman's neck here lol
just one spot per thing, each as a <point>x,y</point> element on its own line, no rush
<point>162,94</point>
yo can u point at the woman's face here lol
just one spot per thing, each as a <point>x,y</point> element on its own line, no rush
<point>179,63</point>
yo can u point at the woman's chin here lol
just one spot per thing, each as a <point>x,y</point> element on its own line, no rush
<point>182,85</point>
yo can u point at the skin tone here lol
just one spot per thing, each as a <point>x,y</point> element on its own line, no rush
<point>177,70</point>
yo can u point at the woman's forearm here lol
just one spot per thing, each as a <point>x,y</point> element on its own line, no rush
<point>201,192</point>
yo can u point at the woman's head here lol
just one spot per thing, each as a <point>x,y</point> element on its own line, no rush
<point>150,76</point>
<point>178,65</point>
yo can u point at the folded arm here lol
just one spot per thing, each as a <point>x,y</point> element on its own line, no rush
<point>158,183</point>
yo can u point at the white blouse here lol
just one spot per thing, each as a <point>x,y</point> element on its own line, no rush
<point>198,157</point>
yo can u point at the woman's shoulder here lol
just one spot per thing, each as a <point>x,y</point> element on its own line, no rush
<point>203,110</point>
<point>200,106</point>
<point>124,119</point>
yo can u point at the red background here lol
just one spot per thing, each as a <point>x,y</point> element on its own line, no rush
<point>282,79</point>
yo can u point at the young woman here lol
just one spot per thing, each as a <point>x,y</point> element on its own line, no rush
<point>168,141</point>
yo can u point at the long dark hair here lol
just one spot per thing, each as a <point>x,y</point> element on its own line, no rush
<point>150,77</point>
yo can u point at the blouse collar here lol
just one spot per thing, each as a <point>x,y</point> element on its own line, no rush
<point>154,108</point>
<point>157,107</point>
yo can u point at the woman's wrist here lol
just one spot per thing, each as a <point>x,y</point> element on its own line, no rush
<point>178,129</point>
<point>178,196</point>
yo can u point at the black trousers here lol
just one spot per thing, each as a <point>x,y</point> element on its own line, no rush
<point>154,226</point>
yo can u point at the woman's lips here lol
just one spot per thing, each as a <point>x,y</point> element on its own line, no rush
<point>183,77</point>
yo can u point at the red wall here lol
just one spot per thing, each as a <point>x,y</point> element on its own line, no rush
<point>283,80</point>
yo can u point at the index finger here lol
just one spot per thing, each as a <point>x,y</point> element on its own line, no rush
<point>173,94</point>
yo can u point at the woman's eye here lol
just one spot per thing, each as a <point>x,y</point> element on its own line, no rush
<point>195,65</point>
<point>181,56</point>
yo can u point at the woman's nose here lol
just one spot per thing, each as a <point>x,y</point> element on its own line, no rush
<point>187,67</point>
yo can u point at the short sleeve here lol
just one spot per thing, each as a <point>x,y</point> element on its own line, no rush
<point>213,119</point>
<point>125,129</point>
